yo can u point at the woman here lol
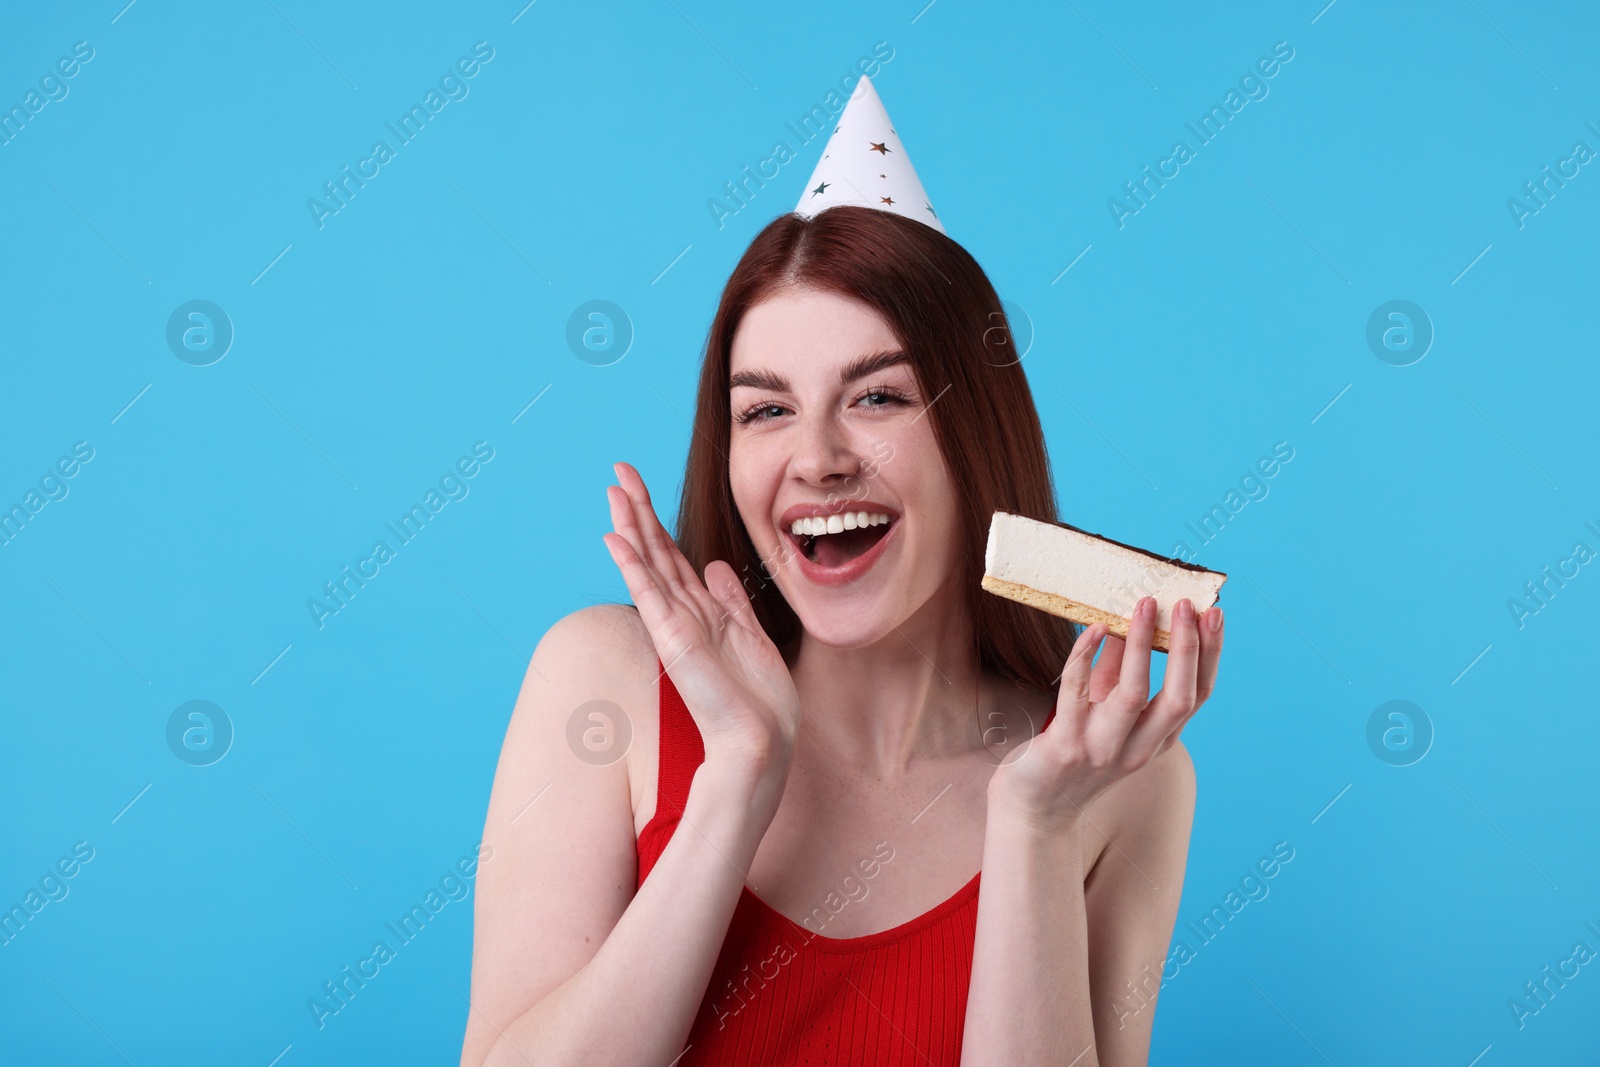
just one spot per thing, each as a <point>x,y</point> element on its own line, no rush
<point>833,728</point>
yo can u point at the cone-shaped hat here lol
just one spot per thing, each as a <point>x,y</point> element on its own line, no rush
<point>866,164</point>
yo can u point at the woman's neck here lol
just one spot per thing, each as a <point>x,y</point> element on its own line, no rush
<point>913,696</point>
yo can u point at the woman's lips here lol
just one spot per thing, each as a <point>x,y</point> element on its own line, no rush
<point>851,569</point>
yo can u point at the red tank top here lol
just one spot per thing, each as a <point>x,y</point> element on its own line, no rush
<point>783,994</point>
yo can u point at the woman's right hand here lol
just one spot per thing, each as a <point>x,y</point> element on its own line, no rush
<point>731,676</point>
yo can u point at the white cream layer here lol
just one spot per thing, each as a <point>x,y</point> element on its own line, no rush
<point>1069,564</point>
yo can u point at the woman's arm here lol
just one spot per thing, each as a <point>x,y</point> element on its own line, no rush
<point>564,950</point>
<point>1132,896</point>
<point>1052,952</point>
<point>1029,998</point>
<point>570,964</point>
<point>1066,959</point>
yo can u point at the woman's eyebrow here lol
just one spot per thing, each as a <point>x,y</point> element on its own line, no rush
<point>871,363</point>
<point>759,379</point>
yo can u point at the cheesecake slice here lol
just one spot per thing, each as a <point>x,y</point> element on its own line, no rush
<point>1087,578</point>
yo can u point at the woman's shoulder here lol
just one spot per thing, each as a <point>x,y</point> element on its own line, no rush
<point>592,646</point>
<point>1148,814</point>
<point>600,665</point>
<point>598,652</point>
<point>616,627</point>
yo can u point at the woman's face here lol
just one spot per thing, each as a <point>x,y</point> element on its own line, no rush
<point>828,426</point>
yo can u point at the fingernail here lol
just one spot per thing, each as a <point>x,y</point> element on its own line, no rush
<point>1216,621</point>
<point>1147,607</point>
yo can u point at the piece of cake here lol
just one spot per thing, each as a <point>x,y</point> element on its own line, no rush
<point>1088,578</point>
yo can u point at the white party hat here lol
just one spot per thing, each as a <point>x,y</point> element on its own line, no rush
<point>866,164</point>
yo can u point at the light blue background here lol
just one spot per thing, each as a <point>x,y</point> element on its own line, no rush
<point>426,315</point>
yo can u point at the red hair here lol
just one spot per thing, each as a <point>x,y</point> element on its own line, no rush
<point>948,318</point>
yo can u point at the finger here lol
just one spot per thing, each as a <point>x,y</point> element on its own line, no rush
<point>668,576</point>
<point>654,607</point>
<point>1210,653</point>
<point>1107,668</point>
<point>665,555</point>
<point>1117,715</point>
<point>1133,679</point>
<point>724,584</point>
<point>624,517</point>
<point>1176,700</point>
<point>1177,731</point>
<point>625,522</point>
<point>1072,702</point>
<point>662,549</point>
<point>1205,675</point>
<point>626,525</point>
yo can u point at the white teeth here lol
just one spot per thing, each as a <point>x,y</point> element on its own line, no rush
<point>818,526</point>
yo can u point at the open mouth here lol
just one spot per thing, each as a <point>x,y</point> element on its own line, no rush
<point>835,540</point>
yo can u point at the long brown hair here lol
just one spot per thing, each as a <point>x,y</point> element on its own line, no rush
<point>948,318</point>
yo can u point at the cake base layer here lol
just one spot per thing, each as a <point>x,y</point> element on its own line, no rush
<point>1069,609</point>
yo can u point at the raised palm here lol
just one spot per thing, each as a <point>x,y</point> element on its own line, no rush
<point>731,676</point>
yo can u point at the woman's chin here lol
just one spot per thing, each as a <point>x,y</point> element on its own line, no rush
<point>846,634</point>
<point>856,619</point>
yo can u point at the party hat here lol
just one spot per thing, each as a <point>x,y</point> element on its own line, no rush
<point>866,164</point>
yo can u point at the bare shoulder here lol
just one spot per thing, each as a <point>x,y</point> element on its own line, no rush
<point>559,831</point>
<point>610,636</point>
<point>597,653</point>
<point>585,690</point>
<point>1150,812</point>
<point>1165,784</point>
<point>601,658</point>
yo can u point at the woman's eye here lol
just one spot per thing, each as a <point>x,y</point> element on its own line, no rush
<point>879,398</point>
<point>876,398</point>
<point>761,412</point>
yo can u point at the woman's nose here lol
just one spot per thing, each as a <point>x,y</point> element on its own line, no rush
<point>825,454</point>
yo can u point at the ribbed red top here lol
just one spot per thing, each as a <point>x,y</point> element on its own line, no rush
<point>782,994</point>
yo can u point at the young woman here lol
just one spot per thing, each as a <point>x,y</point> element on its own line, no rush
<point>869,813</point>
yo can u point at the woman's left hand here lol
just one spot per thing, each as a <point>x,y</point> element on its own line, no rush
<point>1106,725</point>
